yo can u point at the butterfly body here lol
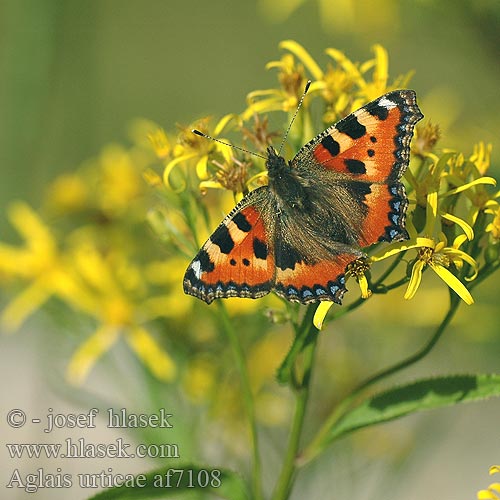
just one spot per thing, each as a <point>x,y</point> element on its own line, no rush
<point>296,236</point>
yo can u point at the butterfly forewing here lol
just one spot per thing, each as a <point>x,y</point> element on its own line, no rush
<point>369,151</point>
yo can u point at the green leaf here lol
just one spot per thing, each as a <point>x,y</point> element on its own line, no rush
<point>420,395</point>
<point>220,483</point>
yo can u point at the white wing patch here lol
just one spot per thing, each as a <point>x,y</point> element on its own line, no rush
<point>386,103</point>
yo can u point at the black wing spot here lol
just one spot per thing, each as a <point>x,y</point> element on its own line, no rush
<point>241,222</point>
<point>222,239</point>
<point>246,262</point>
<point>371,152</point>
<point>286,257</point>
<point>359,190</point>
<point>380,112</point>
<point>351,127</point>
<point>331,145</point>
<point>259,249</point>
<point>355,166</point>
<point>206,265</point>
<point>373,139</point>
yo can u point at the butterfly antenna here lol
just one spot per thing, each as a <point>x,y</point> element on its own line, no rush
<point>308,84</point>
<point>201,134</point>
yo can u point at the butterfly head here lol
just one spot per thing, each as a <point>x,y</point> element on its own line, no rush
<point>276,165</point>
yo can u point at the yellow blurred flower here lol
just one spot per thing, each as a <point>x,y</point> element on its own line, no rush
<point>111,290</point>
<point>493,491</point>
<point>343,86</point>
<point>38,262</point>
<point>191,148</point>
<point>67,194</point>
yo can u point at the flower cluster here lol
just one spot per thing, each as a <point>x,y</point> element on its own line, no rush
<point>451,207</point>
<point>87,248</point>
<point>493,491</point>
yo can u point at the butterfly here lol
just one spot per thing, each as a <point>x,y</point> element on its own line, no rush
<point>297,235</point>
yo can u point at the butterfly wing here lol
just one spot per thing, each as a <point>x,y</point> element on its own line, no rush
<point>237,260</point>
<point>301,281</point>
<point>353,172</point>
<point>366,154</point>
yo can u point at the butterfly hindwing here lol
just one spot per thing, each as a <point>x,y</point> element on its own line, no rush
<point>312,282</point>
<point>237,260</point>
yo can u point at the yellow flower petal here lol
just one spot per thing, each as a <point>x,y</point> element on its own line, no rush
<point>319,315</point>
<point>302,54</point>
<point>466,228</point>
<point>31,227</point>
<point>23,305</point>
<point>170,166</point>
<point>416,278</point>
<point>151,354</point>
<point>210,185</point>
<point>89,352</point>
<point>363,285</point>
<point>259,179</point>
<point>486,495</point>
<point>398,246</point>
<point>263,106</point>
<point>455,253</point>
<point>160,143</point>
<point>381,71</point>
<point>201,168</point>
<point>494,469</point>
<point>482,180</point>
<point>221,124</point>
<point>348,66</point>
<point>453,282</point>
<point>431,213</point>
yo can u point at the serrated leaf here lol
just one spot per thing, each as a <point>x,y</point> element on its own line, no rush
<point>417,396</point>
<point>194,478</point>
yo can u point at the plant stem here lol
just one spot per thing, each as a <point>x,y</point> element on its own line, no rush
<point>321,439</point>
<point>289,468</point>
<point>247,398</point>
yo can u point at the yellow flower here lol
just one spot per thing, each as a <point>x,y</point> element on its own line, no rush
<point>110,289</point>
<point>38,262</point>
<point>440,257</point>
<point>192,148</point>
<point>493,491</point>
<point>67,194</point>
<point>119,181</point>
<point>358,269</point>
<point>292,78</point>
<point>344,86</point>
<point>200,378</point>
<point>342,16</point>
<point>435,253</point>
<point>494,226</point>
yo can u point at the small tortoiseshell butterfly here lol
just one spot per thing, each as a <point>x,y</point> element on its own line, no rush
<point>297,235</point>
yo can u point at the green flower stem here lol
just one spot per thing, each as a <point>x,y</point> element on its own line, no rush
<point>247,397</point>
<point>289,468</point>
<point>318,443</point>
<point>390,269</point>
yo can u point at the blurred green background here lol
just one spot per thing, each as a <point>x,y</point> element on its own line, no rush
<point>73,74</point>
